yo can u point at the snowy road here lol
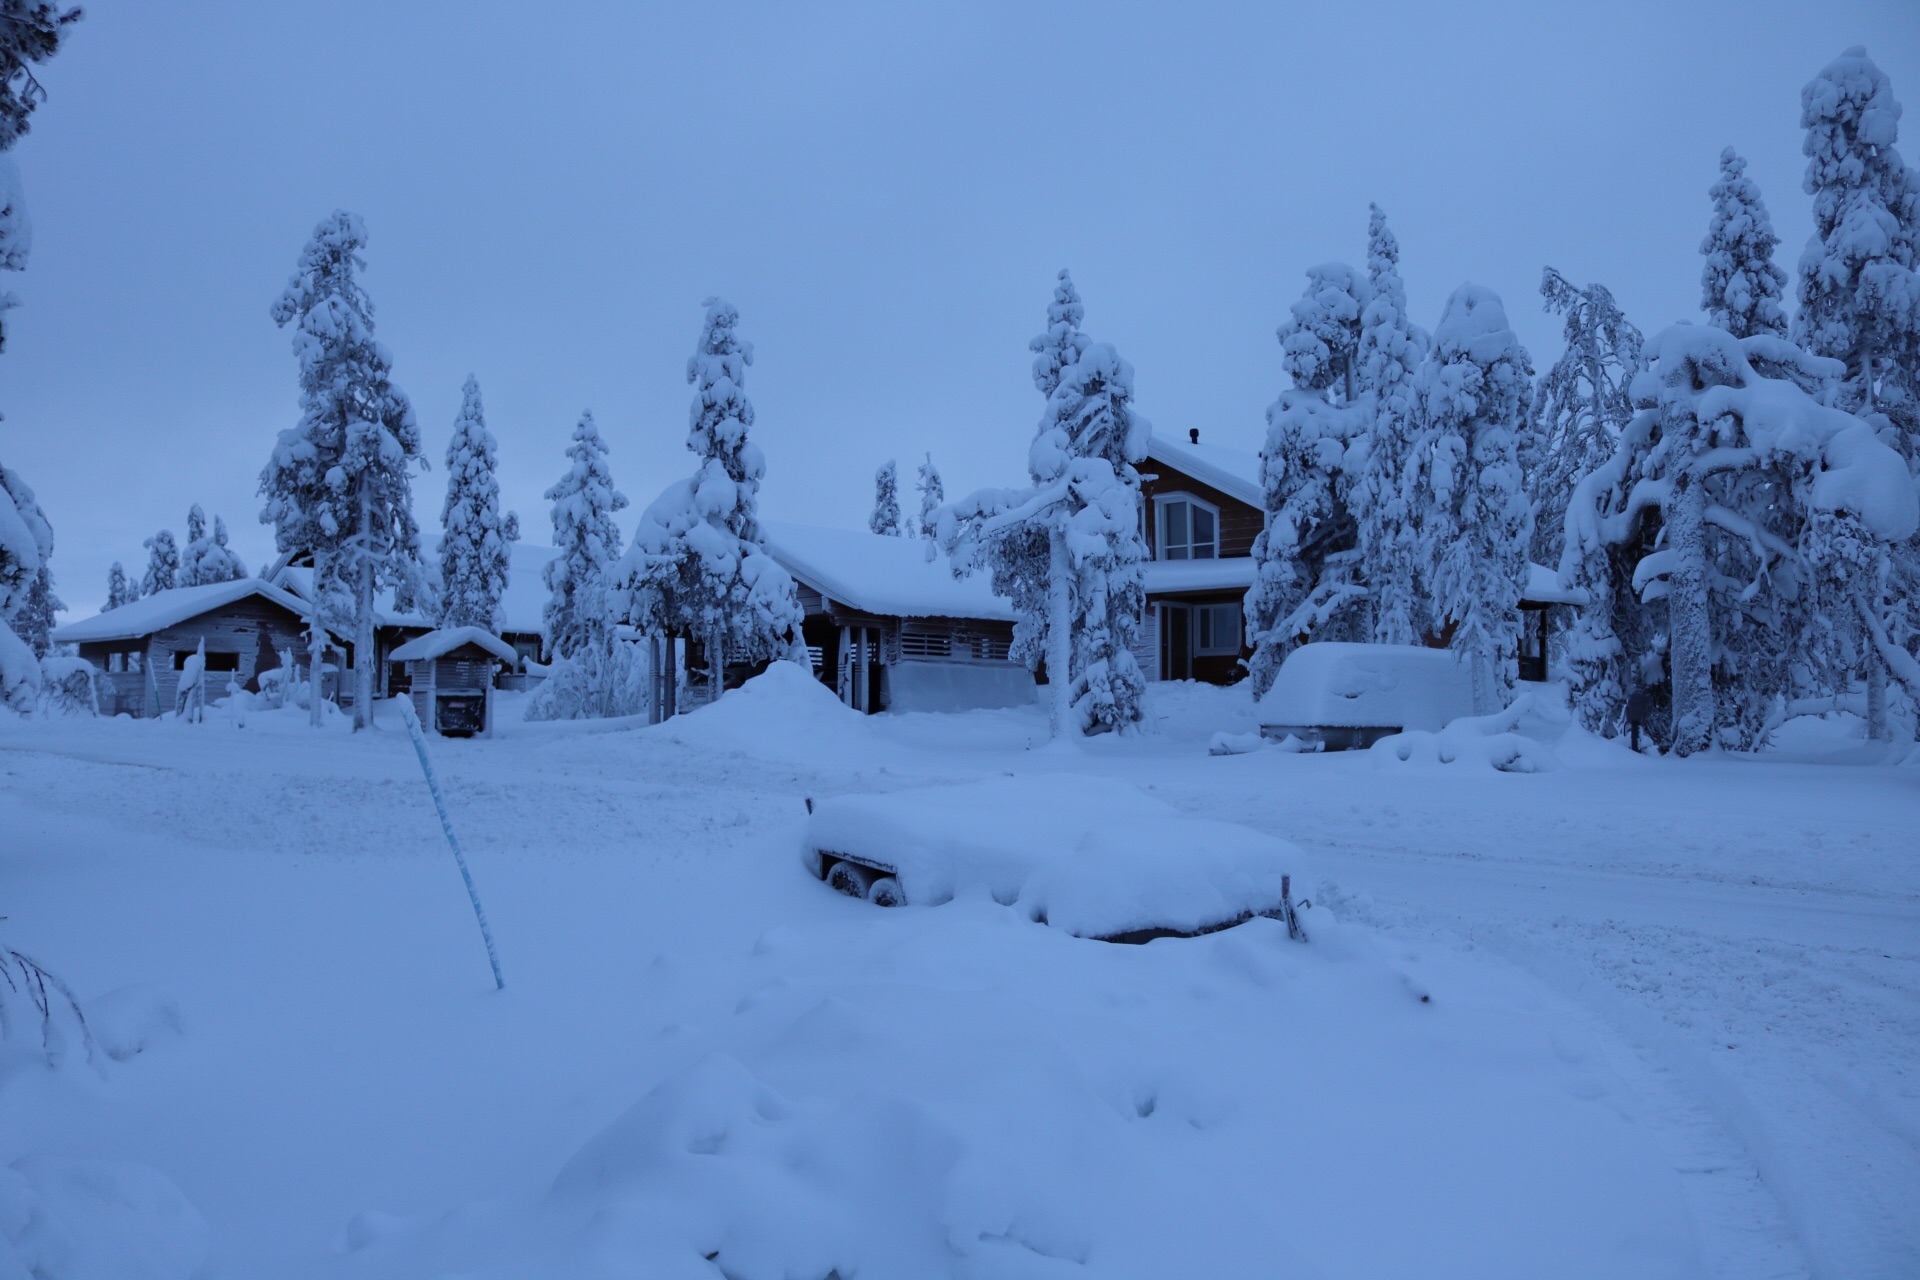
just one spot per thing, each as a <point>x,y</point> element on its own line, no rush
<point>1747,935</point>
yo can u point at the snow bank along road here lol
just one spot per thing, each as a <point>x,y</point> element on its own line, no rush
<point>1674,1031</point>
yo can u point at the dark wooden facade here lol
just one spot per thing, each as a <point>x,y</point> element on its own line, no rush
<point>1240,522</point>
<point>243,639</point>
<point>1168,642</point>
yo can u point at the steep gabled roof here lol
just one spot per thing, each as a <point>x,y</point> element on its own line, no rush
<point>437,644</point>
<point>170,608</point>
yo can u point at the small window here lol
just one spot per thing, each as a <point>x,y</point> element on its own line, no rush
<point>1189,529</point>
<point>1218,628</point>
<point>223,662</point>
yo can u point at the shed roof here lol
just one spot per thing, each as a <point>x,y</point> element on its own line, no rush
<point>889,577</point>
<point>438,644</point>
<point>170,608</point>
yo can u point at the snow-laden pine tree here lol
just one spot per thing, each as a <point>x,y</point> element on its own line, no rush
<point>1473,399</point>
<point>588,541</point>
<point>163,564</point>
<point>339,484</point>
<point>1859,299</point>
<point>207,557</point>
<point>1807,497</point>
<point>886,500</point>
<point>698,568</point>
<point>474,538</point>
<point>34,623</point>
<point>1580,405</point>
<point>1068,549</point>
<point>119,590</point>
<point>1306,558</point>
<point>1384,493</point>
<point>1741,286</point>
<point>31,31</point>
<point>933,495</point>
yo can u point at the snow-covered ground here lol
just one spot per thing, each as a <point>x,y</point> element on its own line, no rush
<point>1672,1030</point>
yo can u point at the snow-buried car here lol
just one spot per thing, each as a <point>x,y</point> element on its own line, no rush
<point>1093,857</point>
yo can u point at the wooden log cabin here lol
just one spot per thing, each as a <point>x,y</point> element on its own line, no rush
<point>142,647</point>
<point>890,630</point>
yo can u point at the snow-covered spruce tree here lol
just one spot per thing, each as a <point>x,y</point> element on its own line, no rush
<point>31,31</point>
<point>1719,447</point>
<point>1859,299</point>
<point>188,574</point>
<point>34,622</point>
<point>1306,557</point>
<point>1384,492</point>
<point>163,564</point>
<point>1580,405</point>
<point>933,495</point>
<point>886,501</point>
<point>339,483</point>
<point>218,561</point>
<point>698,568</point>
<point>474,538</point>
<point>1473,396</point>
<point>1740,285</point>
<point>588,542</point>
<point>1068,550</point>
<point>119,591</point>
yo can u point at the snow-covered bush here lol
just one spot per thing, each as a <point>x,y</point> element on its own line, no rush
<point>67,686</point>
<point>599,680</point>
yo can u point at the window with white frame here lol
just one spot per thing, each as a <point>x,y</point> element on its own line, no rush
<point>1216,628</point>
<point>1189,528</point>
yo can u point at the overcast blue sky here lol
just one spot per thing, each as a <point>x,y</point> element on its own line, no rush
<point>885,192</point>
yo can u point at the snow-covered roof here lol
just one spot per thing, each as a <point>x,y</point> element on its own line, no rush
<point>169,608</point>
<point>1544,587</point>
<point>873,573</point>
<point>521,603</point>
<point>1233,472</point>
<point>437,644</point>
<point>1169,576</point>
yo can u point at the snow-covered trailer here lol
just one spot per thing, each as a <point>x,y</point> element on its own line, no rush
<point>1347,696</point>
<point>1090,856</point>
<point>451,674</point>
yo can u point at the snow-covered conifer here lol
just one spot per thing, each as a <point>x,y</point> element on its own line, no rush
<point>1383,494</point>
<point>163,564</point>
<point>206,557</point>
<point>119,591</point>
<point>197,541</point>
<point>588,540</point>
<point>1859,298</point>
<point>1473,395</point>
<point>698,568</point>
<point>1580,405</point>
<point>1068,549</point>
<point>1306,555</point>
<point>933,494</point>
<point>1320,340</point>
<point>31,31</point>
<point>886,501</point>
<point>474,538</point>
<point>34,622</point>
<point>26,544</point>
<point>1740,285</point>
<point>339,484</point>
<point>1737,506</point>
<point>218,562</point>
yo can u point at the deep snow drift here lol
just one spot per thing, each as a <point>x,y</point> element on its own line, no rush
<point>1669,1030</point>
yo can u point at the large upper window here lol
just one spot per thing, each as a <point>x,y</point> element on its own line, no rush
<point>1189,529</point>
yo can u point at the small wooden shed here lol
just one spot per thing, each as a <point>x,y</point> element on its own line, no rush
<point>451,672</point>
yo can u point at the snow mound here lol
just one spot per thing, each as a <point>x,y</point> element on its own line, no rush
<point>96,1220</point>
<point>1089,855</point>
<point>1517,740</point>
<point>1329,684</point>
<point>129,1021</point>
<point>783,705</point>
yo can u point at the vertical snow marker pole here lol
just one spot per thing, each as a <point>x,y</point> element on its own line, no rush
<point>439,802</point>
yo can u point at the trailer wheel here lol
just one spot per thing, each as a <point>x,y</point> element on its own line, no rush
<point>845,877</point>
<point>886,892</point>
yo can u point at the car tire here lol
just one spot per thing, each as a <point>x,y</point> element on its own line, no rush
<point>886,892</point>
<point>845,877</point>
